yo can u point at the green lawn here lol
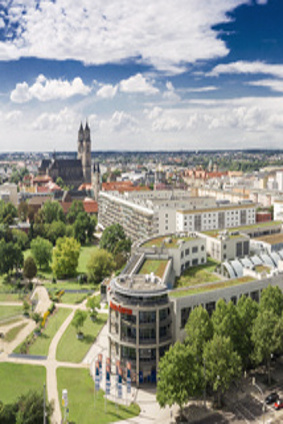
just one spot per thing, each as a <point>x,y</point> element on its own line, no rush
<point>11,297</point>
<point>83,260</point>
<point>70,349</point>
<point>198,275</point>
<point>12,334</point>
<point>18,379</point>
<point>208,287</point>
<point>42,342</point>
<point>73,298</point>
<point>10,311</point>
<point>155,266</point>
<point>82,409</point>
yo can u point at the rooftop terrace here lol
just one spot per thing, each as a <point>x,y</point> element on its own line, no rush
<point>166,241</point>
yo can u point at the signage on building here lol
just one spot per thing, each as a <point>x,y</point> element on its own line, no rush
<point>120,309</point>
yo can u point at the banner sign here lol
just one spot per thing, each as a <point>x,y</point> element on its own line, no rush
<point>100,365</point>
<point>129,377</point>
<point>120,375</point>
<point>97,376</point>
<point>117,372</point>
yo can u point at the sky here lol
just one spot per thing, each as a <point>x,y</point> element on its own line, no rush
<point>146,75</point>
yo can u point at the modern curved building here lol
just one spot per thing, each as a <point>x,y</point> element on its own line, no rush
<point>140,323</point>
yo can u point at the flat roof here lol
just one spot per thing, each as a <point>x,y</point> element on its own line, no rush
<point>168,240</point>
<point>138,285</point>
<point>216,209</point>
<point>272,238</point>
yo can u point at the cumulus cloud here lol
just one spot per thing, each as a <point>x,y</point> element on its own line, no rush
<point>48,89</point>
<point>170,92</point>
<point>163,35</point>
<point>63,121</point>
<point>138,84</point>
<point>274,85</point>
<point>121,121</point>
<point>107,91</point>
<point>243,67</point>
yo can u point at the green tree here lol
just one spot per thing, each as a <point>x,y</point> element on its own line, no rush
<point>247,310</point>
<point>271,299</point>
<point>30,268</point>
<point>76,207</point>
<point>79,320</point>
<point>11,257</point>
<point>83,227</point>
<point>8,213</point>
<point>222,363</point>
<point>53,211</point>
<point>111,236</point>
<point>92,304</point>
<point>30,409</point>
<point>55,230</point>
<point>41,250</point>
<point>66,257</point>
<point>20,238</point>
<point>23,211</point>
<point>199,330</point>
<point>267,337</point>
<point>179,376</point>
<point>226,322</point>
<point>100,265</point>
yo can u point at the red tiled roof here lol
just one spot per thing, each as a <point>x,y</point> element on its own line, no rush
<point>122,186</point>
<point>43,189</point>
<point>90,206</point>
<point>42,179</point>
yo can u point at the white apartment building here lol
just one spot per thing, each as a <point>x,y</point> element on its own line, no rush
<point>215,218</point>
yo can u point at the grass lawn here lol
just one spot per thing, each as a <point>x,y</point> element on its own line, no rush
<point>82,410</point>
<point>73,298</point>
<point>17,379</point>
<point>12,334</point>
<point>156,266</point>
<point>10,311</point>
<point>70,349</point>
<point>11,297</point>
<point>42,342</point>
<point>198,275</point>
<point>208,287</point>
<point>85,254</point>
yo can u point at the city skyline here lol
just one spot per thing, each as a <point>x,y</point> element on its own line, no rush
<point>188,75</point>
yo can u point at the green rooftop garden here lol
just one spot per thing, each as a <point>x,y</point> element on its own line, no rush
<point>207,287</point>
<point>198,275</point>
<point>153,265</point>
<point>160,241</point>
<point>215,233</point>
<point>262,268</point>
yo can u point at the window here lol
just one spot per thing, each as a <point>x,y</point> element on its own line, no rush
<point>185,313</point>
<point>195,249</point>
<point>182,255</point>
<point>195,262</point>
<point>187,252</point>
<point>202,248</point>
<point>202,260</point>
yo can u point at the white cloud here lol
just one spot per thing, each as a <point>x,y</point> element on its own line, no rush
<point>170,93</point>
<point>107,91</point>
<point>243,67</point>
<point>66,120</point>
<point>202,89</point>
<point>166,35</point>
<point>274,85</point>
<point>48,89</point>
<point>138,84</point>
<point>121,121</point>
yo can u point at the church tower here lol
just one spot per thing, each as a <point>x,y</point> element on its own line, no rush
<point>84,152</point>
<point>96,181</point>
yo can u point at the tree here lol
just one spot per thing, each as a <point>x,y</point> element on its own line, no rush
<point>92,304</point>
<point>41,250</point>
<point>20,238</point>
<point>111,236</point>
<point>30,268</point>
<point>66,257</point>
<point>79,320</point>
<point>23,211</point>
<point>247,310</point>
<point>271,299</point>
<point>179,376</point>
<point>30,410</point>
<point>52,211</point>
<point>83,227</point>
<point>76,207</point>
<point>11,257</point>
<point>226,322</point>
<point>199,330</point>
<point>222,363</point>
<point>100,265</point>
<point>55,230</point>
<point>8,213</point>
<point>267,337</point>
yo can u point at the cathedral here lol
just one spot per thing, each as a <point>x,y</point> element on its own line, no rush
<point>73,172</point>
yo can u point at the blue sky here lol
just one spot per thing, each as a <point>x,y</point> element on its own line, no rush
<point>180,74</point>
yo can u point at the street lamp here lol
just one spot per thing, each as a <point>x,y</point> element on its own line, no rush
<point>263,404</point>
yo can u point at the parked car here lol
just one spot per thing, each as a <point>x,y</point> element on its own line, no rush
<point>278,404</point>
<point>271,398</point>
